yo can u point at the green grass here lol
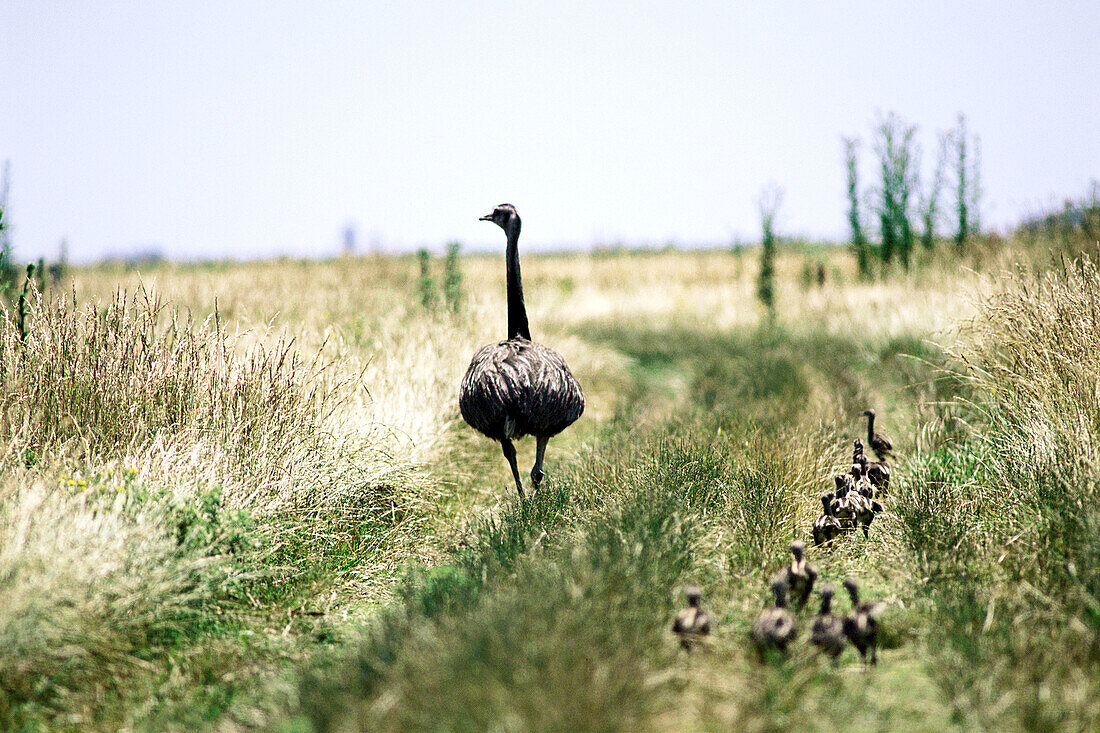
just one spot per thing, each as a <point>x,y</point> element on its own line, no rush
<point>554,615</point>
<point>306,588</point>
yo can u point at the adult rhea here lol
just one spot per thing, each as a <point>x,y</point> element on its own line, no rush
<point>518,387</point>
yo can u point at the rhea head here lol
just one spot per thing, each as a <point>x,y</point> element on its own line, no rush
<point>503,216</point>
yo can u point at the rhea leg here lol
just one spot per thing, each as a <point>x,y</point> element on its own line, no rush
<point>536,472</point>
<point>510,454</point>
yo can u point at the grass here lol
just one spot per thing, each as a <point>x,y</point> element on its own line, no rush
<point>269,516</point>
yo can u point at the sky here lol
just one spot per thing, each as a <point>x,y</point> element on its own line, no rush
<point>254,129</point>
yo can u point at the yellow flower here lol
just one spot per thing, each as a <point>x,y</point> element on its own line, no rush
<point>82,482</point>
<point>71,482</point>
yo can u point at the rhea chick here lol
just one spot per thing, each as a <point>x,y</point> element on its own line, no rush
<point>841,507</point>
<point>878,472</point>
<point>775,627</point>
<point>879,443</point>
<point>800,575</point>
<point>692,623</point>
<point>827,633</point>
<point>826,527</point>
<point>861,623</point>
<point>864,507</point>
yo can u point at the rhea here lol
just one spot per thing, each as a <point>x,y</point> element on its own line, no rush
<point>775,627</point>
<point>692,623</point>
<point>826,527</point>
<point>827,633</point>
<point>800,575</point>
<point>841,506</point>
<point>517,387</point>
<point>861,623</point>
<point>878,472</point>
<point>861,498</point>
<point>879,443</point>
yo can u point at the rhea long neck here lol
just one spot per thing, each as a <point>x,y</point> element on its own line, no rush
<point>870,427</point>
<point>517,313</point>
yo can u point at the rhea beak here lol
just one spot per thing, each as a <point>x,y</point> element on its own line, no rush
<point>487,217</point>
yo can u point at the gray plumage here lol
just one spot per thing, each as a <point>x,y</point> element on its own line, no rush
<point>864,510</point>
<point>517,387</point>
<point>692,623</point>
<point>827,632</point>
<point>861,623</point>
<point>775,627</point>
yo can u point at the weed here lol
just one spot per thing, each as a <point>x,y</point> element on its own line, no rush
<point>452,278</point>
<point>426,283</point>
<point>769,203</point>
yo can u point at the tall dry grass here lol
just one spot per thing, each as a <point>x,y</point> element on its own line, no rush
<point>1003,519</point>
<point>162,478</point>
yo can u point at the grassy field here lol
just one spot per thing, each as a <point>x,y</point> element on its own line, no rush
<point>240,497</point>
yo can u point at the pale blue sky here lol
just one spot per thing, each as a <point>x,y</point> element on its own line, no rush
<point>259,128</point>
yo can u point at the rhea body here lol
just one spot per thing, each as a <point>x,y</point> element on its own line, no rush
<point>875,477</point>
<point>517,387</point>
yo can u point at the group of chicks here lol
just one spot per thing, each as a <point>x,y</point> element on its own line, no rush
<point>777,627</point>
<point>854,499</point>
<point>853,502</point>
